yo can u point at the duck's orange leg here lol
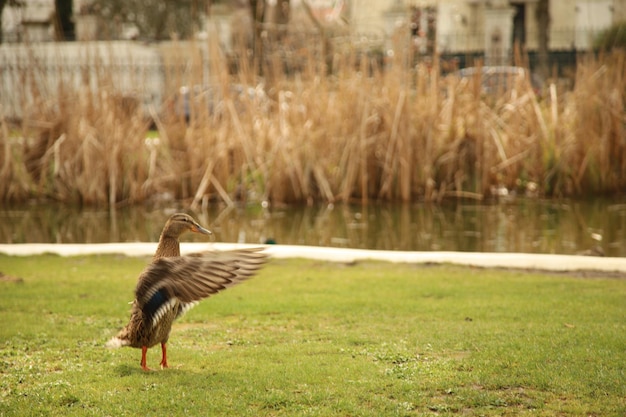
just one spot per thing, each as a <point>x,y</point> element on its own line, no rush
<point>164,357</point>
<point>144,366</point>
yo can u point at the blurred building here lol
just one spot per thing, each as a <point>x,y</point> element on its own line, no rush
<point>489,26</point>
<point>486,28</point>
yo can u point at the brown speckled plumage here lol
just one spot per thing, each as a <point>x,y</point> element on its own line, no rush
<point>172,284</point>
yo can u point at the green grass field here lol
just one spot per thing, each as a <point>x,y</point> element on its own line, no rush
<point>308,338</point>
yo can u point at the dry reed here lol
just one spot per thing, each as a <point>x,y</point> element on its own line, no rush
<point>349,130</point>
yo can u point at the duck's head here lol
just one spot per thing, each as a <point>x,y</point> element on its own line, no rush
<point>180,223</point>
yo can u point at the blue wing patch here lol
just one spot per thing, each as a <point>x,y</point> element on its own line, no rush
<point>155,302</point>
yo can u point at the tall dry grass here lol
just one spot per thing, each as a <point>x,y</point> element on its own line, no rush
<point>74,142</point>
<point>343,129</point>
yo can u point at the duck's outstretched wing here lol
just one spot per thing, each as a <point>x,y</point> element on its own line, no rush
<point>182,281</point>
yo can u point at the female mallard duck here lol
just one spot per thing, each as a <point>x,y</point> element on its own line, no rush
<point>172,284</point>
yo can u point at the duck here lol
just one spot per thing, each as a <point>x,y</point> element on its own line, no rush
<point>172,284</point>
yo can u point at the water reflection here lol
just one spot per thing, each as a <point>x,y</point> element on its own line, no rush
<point>525,226</point>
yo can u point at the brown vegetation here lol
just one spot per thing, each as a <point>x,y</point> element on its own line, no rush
<point>356,132</point>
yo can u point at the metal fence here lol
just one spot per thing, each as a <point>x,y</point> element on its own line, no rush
<point>151,73</point>
<point>146,72</point>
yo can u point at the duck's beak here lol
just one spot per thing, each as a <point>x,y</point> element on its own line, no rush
<point>196,228</point>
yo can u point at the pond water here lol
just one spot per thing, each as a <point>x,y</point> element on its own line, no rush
<point>533,226</point>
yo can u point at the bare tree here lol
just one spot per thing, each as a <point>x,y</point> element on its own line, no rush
<point>257,10</point>
<point>543,29</point>
<point>275,30</point>
<point>63,24</point>
<point>281,18</point>
<point>154,19</point>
